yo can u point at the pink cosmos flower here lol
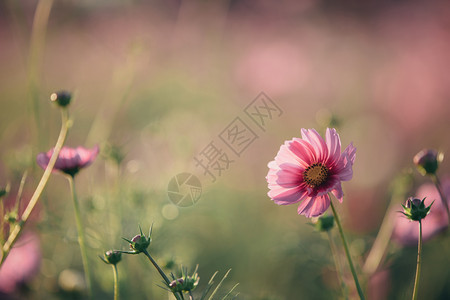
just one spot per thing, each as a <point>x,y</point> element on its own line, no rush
<point>406,232</point>
<point>22,263</point>
<point>70,160</point>
<point>307,169</point>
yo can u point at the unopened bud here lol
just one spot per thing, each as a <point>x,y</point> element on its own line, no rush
<point>140,242</point>
<point>177,285</point>
<point>185,284</point>
<point>112,257</point>
<point>325,223</point>
<point>62,98</point>
<point>427,161</point>
<point>415,209</point>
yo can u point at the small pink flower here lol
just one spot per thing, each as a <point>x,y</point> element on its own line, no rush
<point>22,263</point>
<point>379,285</point>
<point>407,232</point>
<point>70,160</point>
<point>307,169</point>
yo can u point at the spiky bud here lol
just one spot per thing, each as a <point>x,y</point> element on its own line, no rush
<point>415,209</point>
<point>185,284</point>
<point>112,257</point>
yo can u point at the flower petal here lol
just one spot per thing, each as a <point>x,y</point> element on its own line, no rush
<point>87,156</point>
<point>42,159</point>
<point>283,196</point>
<point>338,192</point>
<point>289,175</point>
<point>344,168</point>
<point>284,155</point>
<point>351,152</point>
<point>303,151</point>
<point>272,174</point>
<point>314,207</point>
<point>319,145</point>
<point>334,145</point>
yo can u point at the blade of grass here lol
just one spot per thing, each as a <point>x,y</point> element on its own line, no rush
<point>232,289</point>
<point>218,286</point>
<point>208,288</point>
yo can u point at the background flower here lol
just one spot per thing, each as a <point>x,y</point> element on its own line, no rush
<point>406,232</point>
<point>22,263</point>
<point>70,160</point>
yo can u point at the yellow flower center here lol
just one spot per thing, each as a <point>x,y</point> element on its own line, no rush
<point>315,175</point>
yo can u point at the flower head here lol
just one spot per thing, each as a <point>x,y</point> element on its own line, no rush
<point>305,170</point>
<point>22,263</point>
<point>70,160</point>
<point>140,242</point>
<point>62,98</point>
<point>186,283</point>
<point>112,257</point>
<point>407,232</point>
<point>427,161</point>
<point>324,223</point>
<point>415,209</point>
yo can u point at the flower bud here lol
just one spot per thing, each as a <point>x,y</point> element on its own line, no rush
<point>11,217</point>
<point>185,284</point>
<point>3,192</point>
<point>140,243</point>
<point>177,285</point>
<point>415,209</point>
<point>191,282</point>
<point>427,161</point>
<point>325,223</point>
<point>112,257</point>
<point>62,98</point>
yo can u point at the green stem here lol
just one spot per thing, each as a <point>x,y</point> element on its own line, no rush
<point>37,47</point>
<point>17,230</point>
<point>438,185</point>
<point>161,272</point>
<point>347,252</point>
<point>116,282</point>
<point>81,236</point>
<point>20,191</point>
<point>419,263</point>
<point>338,265</point>
<point>377,252</point>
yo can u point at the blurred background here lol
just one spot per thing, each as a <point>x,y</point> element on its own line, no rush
<point>155,82</point>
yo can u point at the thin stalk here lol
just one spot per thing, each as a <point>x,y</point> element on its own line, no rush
<point>81,236</point>
<point>15,233</point>
<point>419,263</point>
<point>161,272</point>
<point>399,188</point>
<point>381,242</point>
<point>438,185</point>
<point>37,45</point>
<point>116,282</point>
<point>20,191</point>
<point>347,252</point>
<point>338,265</point>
